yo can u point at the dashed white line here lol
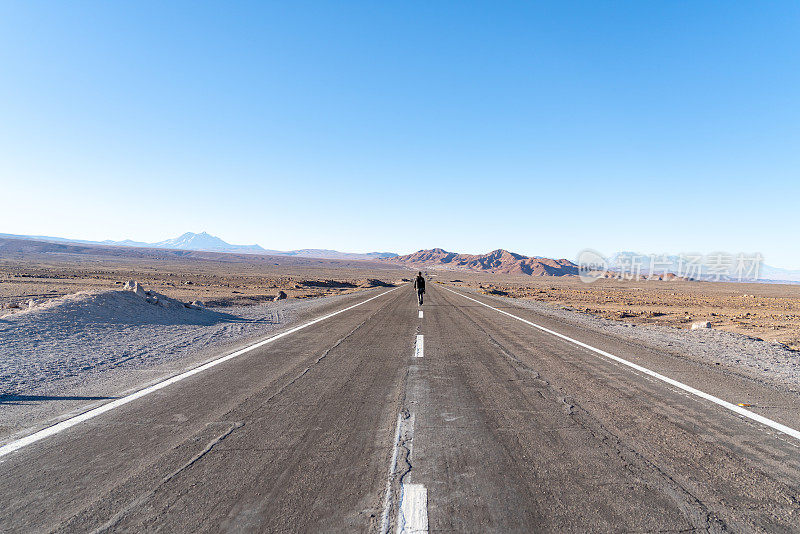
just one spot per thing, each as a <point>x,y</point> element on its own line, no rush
<point>689,389</point>
<point>419,349</point>
<point>420,314</point>
<point>412,510</point>
<point>403,435</point>
<point>387,501</point>
<point>68,423</point>
<point>413,517</point>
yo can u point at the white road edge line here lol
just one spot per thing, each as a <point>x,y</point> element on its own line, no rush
<point>689,389</point>
<point>420,314</point>
<point>419,349</point>
<point>68,423</point>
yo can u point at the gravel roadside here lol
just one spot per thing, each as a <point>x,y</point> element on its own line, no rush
<point>66,358</point>
<point>771,364</point>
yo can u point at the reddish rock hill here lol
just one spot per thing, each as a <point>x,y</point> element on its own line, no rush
<point>498,261</point>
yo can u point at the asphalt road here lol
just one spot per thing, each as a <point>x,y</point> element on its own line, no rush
<point>484,424</point>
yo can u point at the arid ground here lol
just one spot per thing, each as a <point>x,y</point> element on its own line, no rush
<point>41,271</point>
<point>767,311</point>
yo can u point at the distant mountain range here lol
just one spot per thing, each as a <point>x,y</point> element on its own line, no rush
<point>497,261</point>
<point>672,264</point>
<point>777,274</point>
<point>202,241</point>
<point>327,254</point>
<point>505,262</point>
<point>206,242</point>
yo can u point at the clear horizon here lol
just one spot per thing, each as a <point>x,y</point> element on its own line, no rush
<point>541,129</point>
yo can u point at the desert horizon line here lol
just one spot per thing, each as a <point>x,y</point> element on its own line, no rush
<point>206,242</point>
<point>382,250</point>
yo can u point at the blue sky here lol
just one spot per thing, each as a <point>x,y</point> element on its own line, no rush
<point>543,128</point>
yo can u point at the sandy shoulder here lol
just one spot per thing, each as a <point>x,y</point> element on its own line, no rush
<point>769,363</point>
<point>78,352</point>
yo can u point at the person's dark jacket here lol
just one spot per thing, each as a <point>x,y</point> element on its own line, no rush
<point>419,284</point>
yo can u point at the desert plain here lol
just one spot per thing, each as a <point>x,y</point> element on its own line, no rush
<point>39,271</point>
<point>770,312</point>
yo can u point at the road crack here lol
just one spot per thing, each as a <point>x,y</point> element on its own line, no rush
<point>143,498</point>
<point>316,362</point>
<point>202,453</point>
<point>694,509</point>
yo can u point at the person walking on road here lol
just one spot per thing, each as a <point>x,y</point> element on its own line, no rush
<point>419,285</point>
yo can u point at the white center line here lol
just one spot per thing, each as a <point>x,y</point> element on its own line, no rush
<point>420,314</point>
<point>689,389</point>
<point>387,504</point>
<point>403,437</point>
<point>413,517</point>
<point>419,350</point>
<point>68,423</point>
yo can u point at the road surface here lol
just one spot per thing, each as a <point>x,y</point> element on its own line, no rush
<point>452,417</point>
